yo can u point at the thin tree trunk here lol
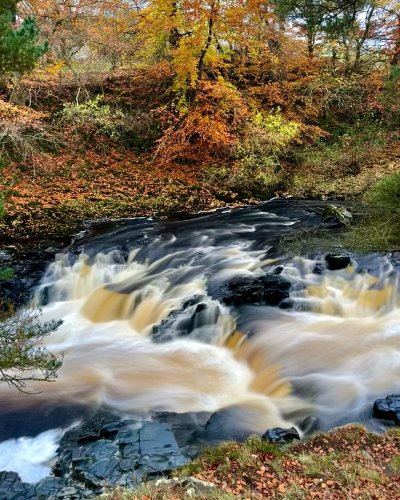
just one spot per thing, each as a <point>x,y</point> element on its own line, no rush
<point>200,64</point>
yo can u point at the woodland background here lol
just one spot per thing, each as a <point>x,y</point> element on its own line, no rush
<point>121,107</point>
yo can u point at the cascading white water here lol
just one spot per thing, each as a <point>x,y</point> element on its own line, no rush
<point>109,355</point>
<point>144,329</point>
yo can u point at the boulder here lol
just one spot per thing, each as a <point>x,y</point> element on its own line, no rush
<point>309,425</point>
<point>270,289</point>
<point>194,314</point>
<point>49,486</point>
<point>388,408</point>
<point>279,435</point>
<point>337,215</point>
<point>21,270</point>
<point>336,261</point>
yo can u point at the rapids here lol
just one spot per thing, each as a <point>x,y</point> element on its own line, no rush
<point>330,355</point>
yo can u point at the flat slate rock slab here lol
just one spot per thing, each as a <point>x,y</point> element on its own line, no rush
<point>101,454</point>
<point>131,451</point>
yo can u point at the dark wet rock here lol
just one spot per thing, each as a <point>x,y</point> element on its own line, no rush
<point>109,430</point>
<point>287,304</point>
<point>126,464</point>
<point>104,467</point>
<point>270,289</point>
<point>5,256</point>
<point>133,450</point>
<point>227,424</point>
<point>156,437</point>
<point>336,261</point>
<point>21,270</point>
<point>279,435</point>
<point>11,486</point>
<point>130,451</point>
<point>128,436</point>
<point>184,322</point>
<point>92,482</point>
<point>101,449</point>
<point>319,268</point>
<point>185,426</point>
<point>49,486</point>
<point>309,425</point>
<point>388,408</point>
<point>93,428</point>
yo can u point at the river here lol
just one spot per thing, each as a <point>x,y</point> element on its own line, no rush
<point>147,327</point>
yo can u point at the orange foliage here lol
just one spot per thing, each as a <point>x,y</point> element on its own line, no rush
<point>208,129</point>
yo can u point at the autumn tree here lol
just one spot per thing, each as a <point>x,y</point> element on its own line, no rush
<point>87,29</point>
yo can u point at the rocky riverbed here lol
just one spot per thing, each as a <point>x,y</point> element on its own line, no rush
<point>107,451</point>
<point>197,301</point>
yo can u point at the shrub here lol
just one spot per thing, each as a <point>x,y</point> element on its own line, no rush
<point>136,129</point>
<point>2,208</point>
<point>349,150</point>
<point>258,168</point>
<point>266,138</point>
<point>386,192</point>
<point>390,99</point>
<point>335,97</point>
<point>22,132</point>
<point>379,230</point>
<point>6,273</point>
<point>94,115</point>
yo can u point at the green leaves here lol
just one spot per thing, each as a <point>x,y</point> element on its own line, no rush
<point>19,46</point>
<point>23,357</point>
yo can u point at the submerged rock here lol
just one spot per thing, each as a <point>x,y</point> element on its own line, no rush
<point>388,408</point>
<point>270,289</point>
<point>279,435</point>
<point>309,425</point>
<point>195,315</point>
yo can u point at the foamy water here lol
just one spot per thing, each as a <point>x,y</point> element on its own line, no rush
<point>330,356</point>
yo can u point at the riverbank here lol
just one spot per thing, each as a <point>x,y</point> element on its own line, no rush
<point>63,162</point>
<point>345,463</point>
<point>66,191</point>
<point>290,472</point>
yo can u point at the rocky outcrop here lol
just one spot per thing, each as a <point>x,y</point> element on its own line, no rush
<point>336,261</point>
<point>103,452</point>
<point>388,408</point>
<point>121,454</point>
<point>195,314</point>
<point>279,435</point>
<point>270,289</point>
<point>21,270</point>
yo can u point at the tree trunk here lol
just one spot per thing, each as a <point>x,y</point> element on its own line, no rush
<point>200,64</point>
